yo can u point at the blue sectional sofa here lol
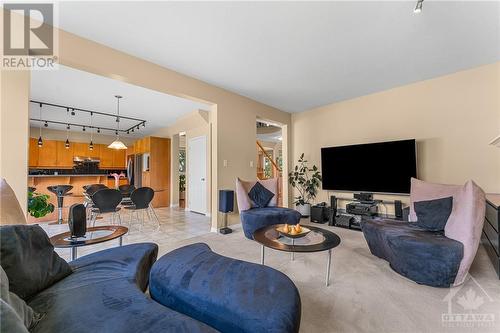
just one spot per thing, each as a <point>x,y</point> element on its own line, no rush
<point>105,293</point>
<point>423,256</point>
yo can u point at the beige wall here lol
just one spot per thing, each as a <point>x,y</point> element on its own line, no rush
<point>14,96</point>
<point>80,136</point>
<point>453,118</point>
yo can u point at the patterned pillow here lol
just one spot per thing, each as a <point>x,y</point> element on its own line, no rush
<point>260,195</point>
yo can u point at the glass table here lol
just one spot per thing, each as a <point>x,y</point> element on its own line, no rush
<point>94,235</point>
<point>316,241</point>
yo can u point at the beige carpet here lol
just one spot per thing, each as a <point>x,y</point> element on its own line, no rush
<point>365,295</point>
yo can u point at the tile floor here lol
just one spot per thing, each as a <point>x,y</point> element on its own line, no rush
<point>176,225</point>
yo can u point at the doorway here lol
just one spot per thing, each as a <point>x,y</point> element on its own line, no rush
<point>197,174</point>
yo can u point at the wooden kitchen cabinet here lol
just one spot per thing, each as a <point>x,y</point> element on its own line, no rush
<point>119,158</point>
<point>82,149</point>
<point>64,157</point>
<point>33,153</point>
<point>47,154</point>
<point>106,156</point>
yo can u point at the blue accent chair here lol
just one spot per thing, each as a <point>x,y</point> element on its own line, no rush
<point>229,295</point>
<point>256,218</point>
<point>423,256</point>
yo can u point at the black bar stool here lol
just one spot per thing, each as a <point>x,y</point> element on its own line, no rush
<point>60,191</point>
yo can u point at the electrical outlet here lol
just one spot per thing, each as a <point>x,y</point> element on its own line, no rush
<point>224,163</point>
<point>251,164</point>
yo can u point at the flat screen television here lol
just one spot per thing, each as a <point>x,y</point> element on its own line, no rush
<point>383,167</point>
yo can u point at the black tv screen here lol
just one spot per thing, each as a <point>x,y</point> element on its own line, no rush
<point>384,167</point>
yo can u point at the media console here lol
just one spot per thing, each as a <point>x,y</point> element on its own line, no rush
<point>356,210</point>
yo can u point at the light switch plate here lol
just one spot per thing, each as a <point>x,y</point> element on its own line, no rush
<point>224,163</point>
<point>251,164</point>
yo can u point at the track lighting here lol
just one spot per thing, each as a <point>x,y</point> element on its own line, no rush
<point>83,129</point>
<point>67,127</point>
<point>72,112</point>
<point>98,130</point>
<point>418,7</point>
<point>46,124</point>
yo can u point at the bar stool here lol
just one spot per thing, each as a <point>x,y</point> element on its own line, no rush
<point>60,191</point>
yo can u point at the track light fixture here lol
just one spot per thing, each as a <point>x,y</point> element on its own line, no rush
<point>72,112</point>
<point>46,124</point>
<point>418,7</point>
<point>83,129</point>
<point>98,130</point>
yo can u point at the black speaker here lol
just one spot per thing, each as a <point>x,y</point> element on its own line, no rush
<point>226,201</point>
<point>333,210</point>
<point>398,209</point>
<point>77,220</point>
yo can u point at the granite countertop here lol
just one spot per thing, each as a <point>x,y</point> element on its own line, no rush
<point>77,175</point>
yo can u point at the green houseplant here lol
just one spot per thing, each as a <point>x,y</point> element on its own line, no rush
<point>39,205</point>
<point>306,181</point>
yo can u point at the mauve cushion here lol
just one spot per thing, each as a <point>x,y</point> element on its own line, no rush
<point>243,187</point>
<point>260,195</point>
<point>433,214</point>
<point>29,259</point>
<point>465,223</point>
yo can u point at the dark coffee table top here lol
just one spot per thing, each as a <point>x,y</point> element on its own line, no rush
<point>317,240</point>
<point>94,235</point>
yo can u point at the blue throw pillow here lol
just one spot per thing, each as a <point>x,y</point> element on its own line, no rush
<point>260,195</point>
<point>432,215</point>
<point>29,260</point>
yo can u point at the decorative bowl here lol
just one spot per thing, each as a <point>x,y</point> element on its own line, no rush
<point>303,232</point>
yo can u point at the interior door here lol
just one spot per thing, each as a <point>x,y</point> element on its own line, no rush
<point>197,174</point>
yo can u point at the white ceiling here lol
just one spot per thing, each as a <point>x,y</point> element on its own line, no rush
<point>297,55</point>
<point>75,88</point>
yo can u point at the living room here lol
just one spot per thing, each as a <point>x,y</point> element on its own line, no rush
<point>332,75</point>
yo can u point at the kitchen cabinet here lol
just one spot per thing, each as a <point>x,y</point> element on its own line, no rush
<point>106,157</point>
<point>64,157</point>
<point>33,153</point>
<point>142,146</point>
<point>119,157</point>
<point>82,149</point>
<point>47,154</point>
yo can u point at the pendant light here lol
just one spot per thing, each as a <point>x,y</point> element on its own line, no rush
<point>66,144</point>
<point>91,145</point>
<point>117,144</point>
<point>40,141</point>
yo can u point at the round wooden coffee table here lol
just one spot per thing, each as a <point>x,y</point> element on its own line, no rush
<point>94,235</point>
<point>316,241</point>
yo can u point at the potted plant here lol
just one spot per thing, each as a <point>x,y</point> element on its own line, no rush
<point>306,181</point>
<point>182,186</point>
<point>39,205</point>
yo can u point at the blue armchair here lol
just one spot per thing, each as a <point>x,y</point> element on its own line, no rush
<point>253,218</point>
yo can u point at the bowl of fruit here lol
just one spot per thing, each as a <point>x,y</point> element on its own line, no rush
<point>293,231</point>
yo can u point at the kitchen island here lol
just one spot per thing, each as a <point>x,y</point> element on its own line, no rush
<point>41,182</point>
